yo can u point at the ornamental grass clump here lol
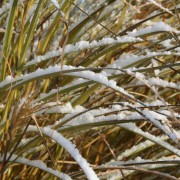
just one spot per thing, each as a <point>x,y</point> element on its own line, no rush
<point>89,89</point>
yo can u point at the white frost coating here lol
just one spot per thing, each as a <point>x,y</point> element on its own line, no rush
<point>135,149</point>
<point>38,73</point>
<point>155,64</point>
<point>7,80</point>
<point>138,160</point>
<point>70,148</point>
<point>66,108</point>
<point>160,6</point>
<point>25,141</point>
<point>100,115</point>
<point>96,77</point>
<point>6,6</point>
<point>55,3</point>
<point>154,81</point>
<point>82,45</point>
<point>155,103</point>
<point>142,77</point>
<point>95,116</point>
<point>128,59</point>
<point>157,27</point>
<point>96,113</point>
<point>119,176</point>
<point>102,79</point>
<point>159,82</point>
<point>2,106</point>
<point>152,119</point>
<point>168,43</point>
<point>38,164</point>
<point>90,117</point>
<point>108,174</point>
<point>7,20</point>
<point>172,161</point>
<point>150,82</point>
<point>21,104</point>
<point>132,127</point>
<point>139,147</point>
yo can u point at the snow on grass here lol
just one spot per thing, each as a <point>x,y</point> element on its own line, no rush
<point>151,82</point>
<point>82,45</point>
<point>38,164</point>
<point>31,76</point>
<point>119,176</point>
<point>6,81</point>
<point>102,79</point>
<point>141,77</point>
<point>139,160</point>
<point>161,7</point>
<point>147,162</point>
<point>141,163</point>
<point>2,106</point>
<point>128,59</point>
<point>55,3</point>
<point>121,114</point>
<point>53,134</point>
<point>153,119</point>
<point>169,43</point>
<point>154,103</point>
<point>65,108</point>
<point>133,128</point>
<point>137,148</point>
<point>56,70</point>
<point>90,117</point>
<point>157,27</point>
<point>156,81</point>
<point>98,115</point>
<point>25,141</point>
<point>159,82</point>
